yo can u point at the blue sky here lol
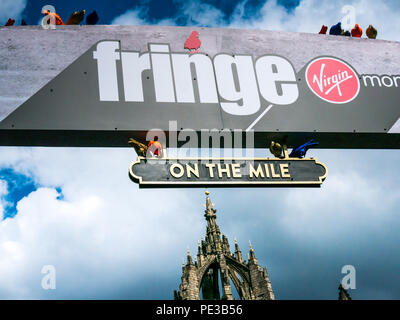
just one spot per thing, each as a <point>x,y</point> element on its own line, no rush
<point>157,10</point>
<point>18,186</point>
<point>75,208</point>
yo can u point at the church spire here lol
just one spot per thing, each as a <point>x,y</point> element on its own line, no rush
<point>189,257</point>
<point>213,232</point>
<point>209,206</point>
<point>252,255</point>
<point>238,253</point>
<point>343,294</point>
<point>215,261</point>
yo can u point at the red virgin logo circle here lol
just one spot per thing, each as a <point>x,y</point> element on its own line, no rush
<point>332,80</point>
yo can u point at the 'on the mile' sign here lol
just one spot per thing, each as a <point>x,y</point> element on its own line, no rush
<point>227,172</point>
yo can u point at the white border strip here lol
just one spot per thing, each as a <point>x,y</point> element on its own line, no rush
<point>259,117</point>
<point>396,127</point>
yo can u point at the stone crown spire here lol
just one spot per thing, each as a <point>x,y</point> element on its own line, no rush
<point>210,211</point>
<point>213,231</point>
<point>215,263</point>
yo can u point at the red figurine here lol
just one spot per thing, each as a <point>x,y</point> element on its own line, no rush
<point>323,30</point>
<point>10,22</point>
<point>193,43</point>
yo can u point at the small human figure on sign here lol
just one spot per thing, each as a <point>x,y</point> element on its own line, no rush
<point>76,17</point>
<point>371,32</point>
<point>276,149</point>
<point>10,22</point>
<point>336,30</point>
<point>92,18</point>
<point>140,148</point>
<point>356,32</point>
<point>57,18</point>
<point>155,148</point>
<point>323,30</point>
<point>300,151</point>
<point>193,43</point>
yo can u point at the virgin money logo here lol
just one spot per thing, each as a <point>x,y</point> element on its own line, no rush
<point>332,80</point>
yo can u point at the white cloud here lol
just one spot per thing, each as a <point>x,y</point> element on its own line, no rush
<point>189,13</point>
<point>308,16</point>
<point>130,17</point>
<point>11,9</point>
<point>105,228</point>
<point>346,202</point>
<point>311,14</point>
<point>197,13</point>
<point>106,235</point>
<point>3,192</point>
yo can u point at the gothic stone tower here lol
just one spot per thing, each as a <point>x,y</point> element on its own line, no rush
<point>214,257</point>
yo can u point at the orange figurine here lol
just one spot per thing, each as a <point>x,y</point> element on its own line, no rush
<point>356,31</point>
<point>155,147</point>
<point>59,22</point>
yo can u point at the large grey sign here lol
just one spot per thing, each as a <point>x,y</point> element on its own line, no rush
<point>110,94</point>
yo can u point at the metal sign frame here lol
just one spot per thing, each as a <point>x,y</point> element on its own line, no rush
<point>315,178</point>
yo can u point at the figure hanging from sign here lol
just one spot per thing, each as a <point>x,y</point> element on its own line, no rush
<point>276,149</point>
<point>193,43</point>
<point>140,148</point>
<point>153,149</point>
<point>300,151</point>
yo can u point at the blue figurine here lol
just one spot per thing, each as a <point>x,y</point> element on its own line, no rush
<point>300,151</point>
<point>92,18</point>
<point>336,30</point>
